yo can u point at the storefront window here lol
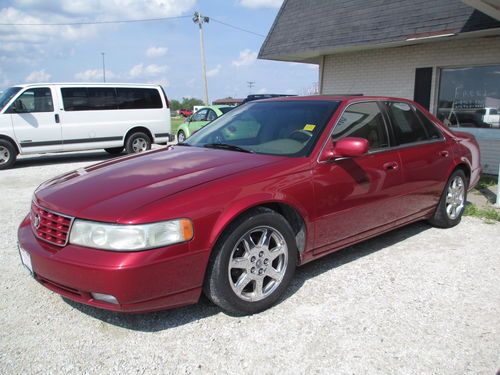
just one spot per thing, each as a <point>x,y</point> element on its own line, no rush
<point>470,97</point>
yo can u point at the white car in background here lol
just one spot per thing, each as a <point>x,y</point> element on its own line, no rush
<point>59,117</point>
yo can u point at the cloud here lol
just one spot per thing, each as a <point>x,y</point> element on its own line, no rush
<point>94,75</point>
<point>38,76</point>
<point>255,4</point>
<point>213,72</point>
<point>262,91</point>
<point>152,70</point>
<point>247,57</point>
<point>154,52</point>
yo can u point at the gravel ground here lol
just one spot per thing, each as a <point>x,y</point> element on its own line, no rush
<point>418,300</point>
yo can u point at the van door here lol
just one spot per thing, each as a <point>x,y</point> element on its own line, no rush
<point>35,121</point>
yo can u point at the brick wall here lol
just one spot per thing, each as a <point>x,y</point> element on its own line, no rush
<point>391,71</point>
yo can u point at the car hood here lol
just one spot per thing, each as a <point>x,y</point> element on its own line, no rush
<point>109,190</point>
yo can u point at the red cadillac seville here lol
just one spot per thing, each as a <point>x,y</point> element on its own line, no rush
<point>232,211</point>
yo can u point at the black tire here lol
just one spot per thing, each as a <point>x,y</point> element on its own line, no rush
<point>114,150</point>
<point>181,137</point>
<point>8,154</point>
<point>137,142</point>
<point>222,279</point>
<point>451,206</point>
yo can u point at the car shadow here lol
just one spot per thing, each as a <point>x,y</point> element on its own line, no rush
<point>162,320</point>
<point>63,158</point>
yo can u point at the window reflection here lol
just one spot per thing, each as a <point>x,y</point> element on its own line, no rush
<point>470,97</point>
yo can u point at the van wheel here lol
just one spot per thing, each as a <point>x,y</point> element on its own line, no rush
<point>114,150</point>
<point>8,154</point>
<point>137,142</point>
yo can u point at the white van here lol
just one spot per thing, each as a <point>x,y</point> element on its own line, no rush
<point>58,117</point>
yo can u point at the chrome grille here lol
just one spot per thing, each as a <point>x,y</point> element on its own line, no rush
<point>50,226</point>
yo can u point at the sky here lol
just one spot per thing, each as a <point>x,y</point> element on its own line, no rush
<point>165,52</point>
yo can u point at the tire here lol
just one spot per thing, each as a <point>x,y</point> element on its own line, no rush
<point>137,142</point>
<point>114,150</point>
<point>263,269</point>
<point>181,137</point>
<point>451,206</point>
<point>8,154</point>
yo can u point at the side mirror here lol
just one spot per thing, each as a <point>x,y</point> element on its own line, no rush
<point>349,147</point>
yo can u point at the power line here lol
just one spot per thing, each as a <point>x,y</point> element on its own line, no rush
<point>94,22</point>
<point>237,27</point>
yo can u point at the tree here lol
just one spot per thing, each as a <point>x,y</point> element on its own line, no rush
<point>189,103</point>
<point>175,105</point>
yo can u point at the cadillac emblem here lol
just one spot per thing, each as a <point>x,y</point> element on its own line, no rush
<point>36,221</point>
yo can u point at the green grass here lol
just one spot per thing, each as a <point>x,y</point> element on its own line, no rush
<point>176,121</point>
<point>490,215</point>
<point>486,181</point>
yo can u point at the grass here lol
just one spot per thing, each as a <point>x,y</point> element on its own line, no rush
<point>486,181</point>
<point>176,121</point>
<point>489,215</point>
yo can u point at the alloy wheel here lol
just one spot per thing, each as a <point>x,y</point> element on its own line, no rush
<point>4,155</point>
<point>455,198</point>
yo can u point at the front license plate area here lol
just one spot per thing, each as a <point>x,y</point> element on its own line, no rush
<point>26,259</point>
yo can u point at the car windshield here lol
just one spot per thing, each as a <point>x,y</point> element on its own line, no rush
<point>225,109</point>
<point>289,128</point>
<point>7,95</point>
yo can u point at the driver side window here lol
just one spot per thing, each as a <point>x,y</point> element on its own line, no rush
<point>33,100</point>
<point>363,120</point>
<point>201,115</point>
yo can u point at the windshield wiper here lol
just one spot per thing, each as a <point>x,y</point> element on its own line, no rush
<point>225,146</point>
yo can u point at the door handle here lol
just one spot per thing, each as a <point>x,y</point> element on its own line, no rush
<point>444,154</point>
<point>57,118</point>
<point>391,166</point>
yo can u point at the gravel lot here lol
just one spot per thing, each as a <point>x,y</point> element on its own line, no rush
<point>418,300</point>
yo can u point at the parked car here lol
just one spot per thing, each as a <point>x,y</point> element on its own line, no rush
<point>233,216</point>
<point>57,117</point>
<point>185,112</point>
<point>199,119</point>
<point>491,117</point>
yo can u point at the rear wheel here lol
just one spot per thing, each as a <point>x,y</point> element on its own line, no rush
<point>137,142</point>
<point>114,150</point>
<point>252,263</point>
<point>8,154</point>
<point>452,203</point>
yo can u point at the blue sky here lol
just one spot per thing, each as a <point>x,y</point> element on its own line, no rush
<point>164,52</point>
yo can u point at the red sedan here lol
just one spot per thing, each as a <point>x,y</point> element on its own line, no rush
<point>233,210</point>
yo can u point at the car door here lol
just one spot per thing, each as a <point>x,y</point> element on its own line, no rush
<point>425,156</point>
<point>356,195</point>
<point>36,121</point>
<point>198,120</point>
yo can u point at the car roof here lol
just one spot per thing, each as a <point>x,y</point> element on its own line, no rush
<point>343,98</point>
<point>85,84</point>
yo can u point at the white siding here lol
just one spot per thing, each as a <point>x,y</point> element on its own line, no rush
<point>391,72</point>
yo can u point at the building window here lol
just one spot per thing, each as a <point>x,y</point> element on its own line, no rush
<point>470,97</point>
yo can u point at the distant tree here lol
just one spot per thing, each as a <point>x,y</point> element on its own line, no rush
<point>175,105</point>
<point>189,103</point>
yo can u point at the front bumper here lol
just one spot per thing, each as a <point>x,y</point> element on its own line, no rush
<point>141,281</point>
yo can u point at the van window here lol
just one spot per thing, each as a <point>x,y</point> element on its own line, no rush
<point>138,98</point>
<point>34,100</point>
<point>75,99</point>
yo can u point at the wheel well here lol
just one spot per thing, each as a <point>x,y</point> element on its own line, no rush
<point>141,129</point>
<point>291,215</point>
<point>8,139</point>
<point>465,168</point>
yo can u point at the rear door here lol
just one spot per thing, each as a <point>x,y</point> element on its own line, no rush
<point>356,195</point>
<point>35,120</point>
<point>425,156</point>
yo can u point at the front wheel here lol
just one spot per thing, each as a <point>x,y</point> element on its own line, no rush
<point>252,263</point>
<point>137,142</point>
<point>8,154</point>
<point>452,203</point>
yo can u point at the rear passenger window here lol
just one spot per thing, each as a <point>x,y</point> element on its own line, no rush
<point>363,120</point>
<point>431,129</point>
<point>75,99</point>
<point>137,98</point>
<point>407,127</point>
<point>100,98</point>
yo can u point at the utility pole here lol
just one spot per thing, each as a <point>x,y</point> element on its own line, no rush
<point>200,20</point>
<point>103,68</point>
<point>250,85</point>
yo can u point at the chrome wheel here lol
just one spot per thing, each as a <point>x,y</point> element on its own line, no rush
<point>258,263</point>
<point>4,155</point>
<point>139,145</point>
<point>455,197</point>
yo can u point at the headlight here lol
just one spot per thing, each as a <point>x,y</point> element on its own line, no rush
<point>130,237</point>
